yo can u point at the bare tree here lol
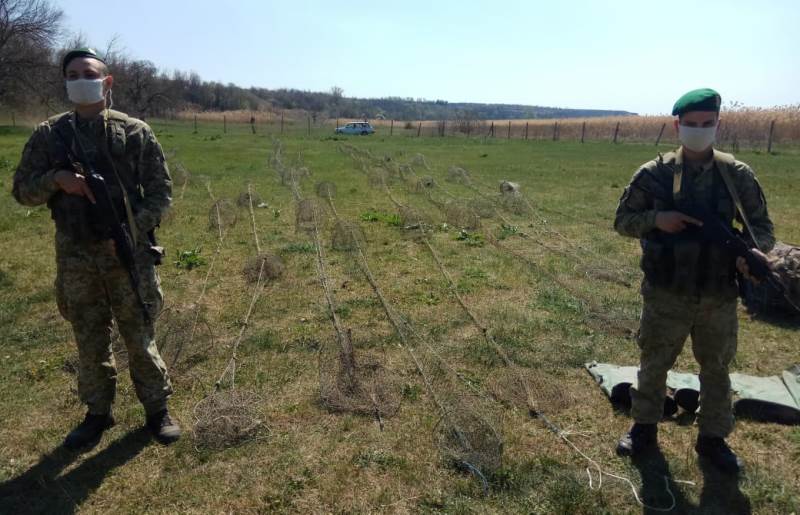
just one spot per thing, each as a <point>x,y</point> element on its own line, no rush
<point>28,30</point>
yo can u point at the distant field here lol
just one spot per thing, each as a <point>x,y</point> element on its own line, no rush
<point>546,282</point>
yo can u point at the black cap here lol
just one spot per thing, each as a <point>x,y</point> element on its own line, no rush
<point>78,52</point>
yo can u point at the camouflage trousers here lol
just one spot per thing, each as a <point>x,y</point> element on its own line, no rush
<point>667,320</point>
<point>92,288</point>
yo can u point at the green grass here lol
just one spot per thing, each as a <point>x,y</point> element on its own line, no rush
<point>316,461</point>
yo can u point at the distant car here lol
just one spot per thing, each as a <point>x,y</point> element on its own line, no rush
<point>363,128</point>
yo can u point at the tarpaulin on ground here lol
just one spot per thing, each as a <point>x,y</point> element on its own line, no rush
<point>768,399</point>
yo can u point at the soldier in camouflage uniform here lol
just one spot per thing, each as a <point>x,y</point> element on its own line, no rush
<point>92,286</point>
<point>690,284</point>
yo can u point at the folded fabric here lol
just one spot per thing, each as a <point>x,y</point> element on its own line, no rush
<point>768,399</point>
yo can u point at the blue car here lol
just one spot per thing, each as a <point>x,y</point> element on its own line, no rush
<point>362,128</point>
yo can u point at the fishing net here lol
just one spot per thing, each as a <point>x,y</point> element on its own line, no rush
<point>273,268</point>
<point>470,442</point>
<point>461,216</point>
<point>347,236</point>
<point>305,214</point>
<point>222,215</point>
<point>377,177</point>
<point>228,418</point>
<point>184,338</point>
<point>458,175</point>
<point>406,172</point>
<point>179,174</point>
<point>419,160</point>
<point>358,385</point>
<point>326,189</point>
<point>530,390</point>
<point>482,207</point>
<point>246,197</point>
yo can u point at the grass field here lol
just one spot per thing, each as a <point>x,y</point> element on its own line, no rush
<point>550,312</point>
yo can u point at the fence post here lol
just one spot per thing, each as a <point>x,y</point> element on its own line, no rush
<point>444,127</point>
<point>469,128</point>
<point>13,119</point>
<point>555,130</point>
<point>224,125</point>
<point>391,128</point>
<point>491,129</point>
<point>583,131</point>
<point>526,131</point>
<point>281,122</point>
<point>616,132</point>
<point>660,133</point>
<point>195,123</point>
<point>769,139</point>
<point>508,136</point>
<point>419,129</point>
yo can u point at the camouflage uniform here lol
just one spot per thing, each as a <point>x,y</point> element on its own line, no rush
<point>92,286</point>
<point>689,286</point>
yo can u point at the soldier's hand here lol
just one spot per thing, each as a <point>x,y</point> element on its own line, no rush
<point>674,221</point>
<point>73,184</point>
<point>741,265</point>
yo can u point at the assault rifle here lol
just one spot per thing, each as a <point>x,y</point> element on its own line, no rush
<point>714,230</point>
<point>105,212</point>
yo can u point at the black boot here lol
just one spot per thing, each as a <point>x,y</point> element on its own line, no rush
<point>163,428</point>
<point>640,438</point>
<point>89,431</point>
<point>717,452</point>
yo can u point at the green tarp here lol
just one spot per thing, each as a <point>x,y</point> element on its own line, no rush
<point>769,399</point>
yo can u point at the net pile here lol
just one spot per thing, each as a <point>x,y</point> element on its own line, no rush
<point>461,216</point>
<point>184,338</point>
<point>248,196</point>
<point>458,175</point>
<point>228,418</point>
<point>305,214</point>
<point>222,215</point>
<point>273,267</point>
<point>347,235</point>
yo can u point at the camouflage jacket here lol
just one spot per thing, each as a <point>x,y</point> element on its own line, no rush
<point>667,183</point>
<point>111,140</point>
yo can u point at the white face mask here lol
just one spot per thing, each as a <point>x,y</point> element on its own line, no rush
<point>697,139</point>
<point>85,91</point>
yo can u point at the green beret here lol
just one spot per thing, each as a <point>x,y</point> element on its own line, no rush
<point>703,99</point>
<point>78,52</point>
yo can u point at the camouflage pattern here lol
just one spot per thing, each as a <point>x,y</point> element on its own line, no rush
<point>91,284</point>
<point>708,312</point>
<point>667,320</point>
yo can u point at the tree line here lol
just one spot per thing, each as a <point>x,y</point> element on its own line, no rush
<point>32,45</point>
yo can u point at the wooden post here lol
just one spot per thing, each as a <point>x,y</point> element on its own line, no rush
<point>444,127</point>
<point>469,128</point>
<point>337,123</point>
<point>526,131</point>
<point>309,125</point>
<point>660,133</point>
<point>769,139</point>
<point>419,129</point>
<point>195,123</point>
<point>508,136</point>
<point>616,132</point>
<point>492,129</point>
<point>391,128</point>
<point>281,122</point>
<point>13,119</point>
<point>583,131</point>
<point>555,131</point>
<point>224,125</point>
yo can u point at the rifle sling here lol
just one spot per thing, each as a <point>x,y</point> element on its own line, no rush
<point>726,178</point>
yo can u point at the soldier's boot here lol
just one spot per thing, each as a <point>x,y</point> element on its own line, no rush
<point>88,432</point>
<point>640,438</point>
<point>163,428</point>
<point>717,452</point>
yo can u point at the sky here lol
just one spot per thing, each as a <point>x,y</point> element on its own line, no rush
<point>637,56</point>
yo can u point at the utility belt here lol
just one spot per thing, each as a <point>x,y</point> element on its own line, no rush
<point>688,266</point>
